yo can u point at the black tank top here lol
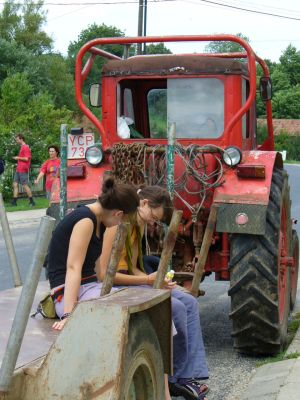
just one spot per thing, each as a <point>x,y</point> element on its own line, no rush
<point>59,246</point>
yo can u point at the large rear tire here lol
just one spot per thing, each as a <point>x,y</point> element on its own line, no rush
<point>143,369</point>
<point>260,278</point>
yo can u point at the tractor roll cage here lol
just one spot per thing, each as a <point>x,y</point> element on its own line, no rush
<point>81,72</point>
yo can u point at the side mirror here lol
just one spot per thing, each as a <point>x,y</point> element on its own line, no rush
<point>96,94</point>
<point>265,88</point>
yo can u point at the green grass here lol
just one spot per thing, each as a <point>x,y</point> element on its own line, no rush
<point>293,326</point>
<point>279,357</point>
<point>291,162</point>
<point>23,204</point>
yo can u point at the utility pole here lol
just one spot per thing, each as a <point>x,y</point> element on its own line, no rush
<point>140,24</point>
<point>145,24</point>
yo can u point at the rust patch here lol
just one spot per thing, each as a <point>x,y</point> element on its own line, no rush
<point>173,65</point>
<point>87,391</point>
<point>247,198</point>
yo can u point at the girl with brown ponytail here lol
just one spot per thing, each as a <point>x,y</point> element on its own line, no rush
<point>76,245</point>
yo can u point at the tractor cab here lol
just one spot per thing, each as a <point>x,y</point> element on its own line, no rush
<point>147,94</point>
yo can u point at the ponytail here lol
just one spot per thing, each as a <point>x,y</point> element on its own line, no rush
<point>118,196</point>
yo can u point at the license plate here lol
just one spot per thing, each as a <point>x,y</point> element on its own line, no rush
<point>77,144</point>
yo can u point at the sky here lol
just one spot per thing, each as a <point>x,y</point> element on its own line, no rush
<point>269,35</point>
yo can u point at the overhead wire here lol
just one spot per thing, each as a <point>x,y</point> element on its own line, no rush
<point>210,2</point>
<point>238,8</point>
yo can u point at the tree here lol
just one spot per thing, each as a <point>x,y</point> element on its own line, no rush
<point>94,31</point>
<point>286,103</point>
<point>290,64</point>
<point>280,80</point>
<point>158,48</point>
<point>32,114</point>
<point>49,73</point>
<point>22,23</point>
<point>226,47</point>
<point>14,58</point>
<point>9,20</point>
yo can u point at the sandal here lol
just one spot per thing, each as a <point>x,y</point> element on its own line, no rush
<point>190,389</point>
<point>204,388</point>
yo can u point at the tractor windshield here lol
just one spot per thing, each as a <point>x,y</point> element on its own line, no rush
<point>147,107</point>
<point>195,105</point>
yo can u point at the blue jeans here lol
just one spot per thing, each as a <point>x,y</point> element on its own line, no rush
<point>189,359</point>
<point>188,348</point>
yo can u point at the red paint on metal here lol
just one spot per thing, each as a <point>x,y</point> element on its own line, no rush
<point>224,255</point>
<point>90,46</point>
<point>248,191</point>
<point>83,189</point>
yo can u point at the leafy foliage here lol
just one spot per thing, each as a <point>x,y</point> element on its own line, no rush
<point>226,47</point>
<point>286,103</point>
<point>158,48</point>
<point>290,64</point>
<point>22,23</point>
<point>33,115</point>
<point>49,73</point>
<point>291,144</point>
<point>14,58</point>
<point>285,81</point>
<point>36,89</point>
<point>94,31</point>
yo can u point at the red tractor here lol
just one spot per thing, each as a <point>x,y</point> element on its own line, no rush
<point>233,192</point>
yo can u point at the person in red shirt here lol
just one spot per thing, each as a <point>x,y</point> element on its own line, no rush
<point>50,168</point>
<point>22,171</point>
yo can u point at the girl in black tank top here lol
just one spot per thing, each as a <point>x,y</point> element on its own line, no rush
<point>76,244</point>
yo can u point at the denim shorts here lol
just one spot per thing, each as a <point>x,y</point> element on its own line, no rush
<point>21,177</point>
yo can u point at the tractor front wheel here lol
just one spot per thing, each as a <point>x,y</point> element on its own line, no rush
<point>260,277</point>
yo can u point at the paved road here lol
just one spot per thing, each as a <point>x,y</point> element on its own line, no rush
<point>23,238</point>
<point>294,179</point>
<point>229,371</point>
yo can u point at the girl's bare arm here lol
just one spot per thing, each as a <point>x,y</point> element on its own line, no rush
<point>79,241</point>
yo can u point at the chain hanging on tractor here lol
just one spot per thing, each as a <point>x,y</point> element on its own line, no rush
<point>128,163</point>
<point>140,164</point>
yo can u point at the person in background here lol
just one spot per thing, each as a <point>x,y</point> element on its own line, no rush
<point>189,361</point>
<point>22,171</point>
<point>76,245</point>
<point>50,169</point>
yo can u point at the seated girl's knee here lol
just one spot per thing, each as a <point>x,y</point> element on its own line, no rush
<point>178,308</point>
<point>191,303</point>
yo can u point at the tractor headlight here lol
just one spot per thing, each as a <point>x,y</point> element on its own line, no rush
<point>232,156</point>
<point>94,155</point>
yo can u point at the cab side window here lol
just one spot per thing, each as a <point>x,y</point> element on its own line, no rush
<point>157,113</point>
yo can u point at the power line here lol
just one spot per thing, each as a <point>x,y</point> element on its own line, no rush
<point>213,3</point>
<point>67,13</point>
<point>263,7</point>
